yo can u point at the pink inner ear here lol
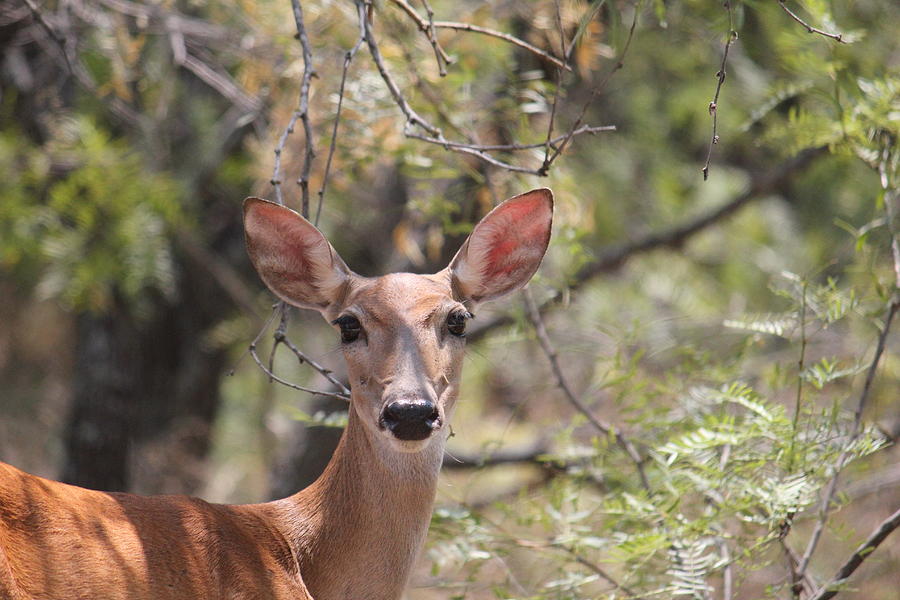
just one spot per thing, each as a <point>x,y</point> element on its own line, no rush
<point>516,236</point>
<point>285,247</point>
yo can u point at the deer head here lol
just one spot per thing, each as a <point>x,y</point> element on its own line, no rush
<point>402,334</point>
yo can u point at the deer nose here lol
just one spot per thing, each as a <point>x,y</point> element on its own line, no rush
<point>411,420</point>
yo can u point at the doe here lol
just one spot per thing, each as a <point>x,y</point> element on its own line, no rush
<point>353,534</point>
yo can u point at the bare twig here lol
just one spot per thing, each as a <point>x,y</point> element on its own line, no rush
<point>720,76</point>
<point>528,455</point>
<point>505,37</point>
<point>886,166</point>
<point>601,572</point>
<point>222,83</point>
<point>427,27</point>
<point>277,379</point>
<point>440,56</point>
<point>301,114</point>
<point>797,579</point>
<point>727,572</point>
<point>433,134</point>
<point>279,310</point>
<point>413,118</point>
<point>835,36</point>
<point>518,147</point>
<point>600,425</point>
<point>558,83</point>
<point>829,590</point>
<point>620,62</point>
<point>348,58</point>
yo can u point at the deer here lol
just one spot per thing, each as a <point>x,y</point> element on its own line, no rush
<point>353,534</point>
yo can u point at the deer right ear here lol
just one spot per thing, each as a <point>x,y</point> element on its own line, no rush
<point>505,248</point>
<point>292,257</point>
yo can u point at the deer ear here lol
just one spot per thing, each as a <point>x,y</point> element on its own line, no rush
<point>292,257</point>
<point>505,248</point>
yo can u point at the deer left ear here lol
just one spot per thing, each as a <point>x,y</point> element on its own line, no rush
<point>505,249</point>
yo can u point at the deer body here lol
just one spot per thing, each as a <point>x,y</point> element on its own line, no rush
<point>354,533</point>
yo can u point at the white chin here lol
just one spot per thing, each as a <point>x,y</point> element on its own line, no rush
<point>410,446</point>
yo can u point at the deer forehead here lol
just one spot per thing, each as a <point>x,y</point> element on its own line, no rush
<point>401,299</point>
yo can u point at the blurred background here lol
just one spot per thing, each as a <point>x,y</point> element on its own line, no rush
<point>721,304</point>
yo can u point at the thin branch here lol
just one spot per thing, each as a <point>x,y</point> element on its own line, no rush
<point>348,58</point>
<point>720,76</point>
<point>440,56</point>
<point>222,83</point>
<point>830,589</point>
<point>886,165</point>
<point>835,36</point>
<point>727,572</point>
<point>528,455</point>
<point>503,36</point>
<point>518,147</point>
<point>558,84</point>
<point>324,372</point>
<point>300,114</point>
<point>45,24</point>
<point>286,383</point>
<point>601,572</point>
<point>427,27</point>
<point>279,309</point>
<point>600,425</point>
<point>797,579</point>
<point>620,63</point>
<point>433,134</point>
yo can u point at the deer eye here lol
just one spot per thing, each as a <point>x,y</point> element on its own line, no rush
<point>456,322</point>
<point>350,328</point>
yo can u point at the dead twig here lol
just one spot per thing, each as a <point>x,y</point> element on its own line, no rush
<point>720,76</point>
<point>505,37</point>
<point>427,27</point>
<point>301,114</point>
<point>348,58</point>
<point>600,425</point>
<point>835,36</point>
<point>620,63</point>
<point>830,589</point>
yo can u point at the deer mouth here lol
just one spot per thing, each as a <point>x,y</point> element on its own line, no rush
<point>410,421</point>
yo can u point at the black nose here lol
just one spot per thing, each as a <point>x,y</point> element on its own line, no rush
<point>410,420</point>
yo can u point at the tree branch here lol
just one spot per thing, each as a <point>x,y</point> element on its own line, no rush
<point>835,36</point>
<point>505,37</point>
<point>861,554</point>
<point>427,27</point>
<point>606,429</point>
<point>348,58</point>
<point>714,105</point>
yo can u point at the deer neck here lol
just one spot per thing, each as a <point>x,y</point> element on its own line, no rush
<point>357,530</point>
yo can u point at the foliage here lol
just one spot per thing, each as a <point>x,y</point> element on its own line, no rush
<point>100,230</point>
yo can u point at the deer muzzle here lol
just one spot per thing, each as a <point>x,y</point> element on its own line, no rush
<point>411,420</point>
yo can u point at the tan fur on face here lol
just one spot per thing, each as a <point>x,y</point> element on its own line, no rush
<point>405,350</point>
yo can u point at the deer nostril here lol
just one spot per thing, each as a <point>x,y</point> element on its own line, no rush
<point>411,420</point>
